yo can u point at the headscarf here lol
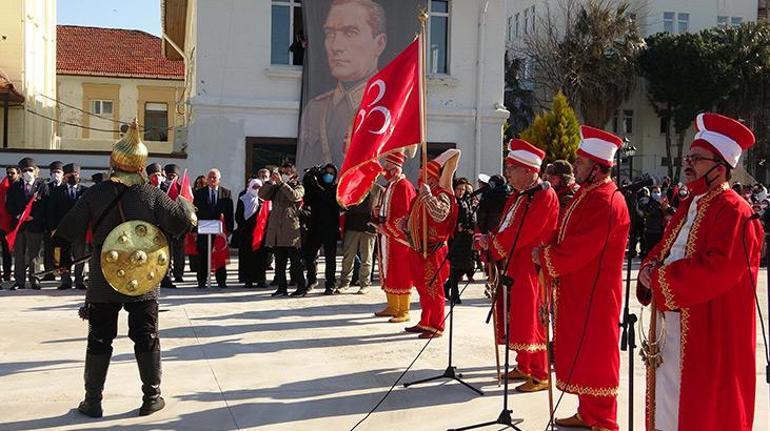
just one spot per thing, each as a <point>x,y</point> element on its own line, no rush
<point>250,202</point>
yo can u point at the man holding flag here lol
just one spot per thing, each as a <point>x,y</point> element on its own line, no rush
<point>388,121</point>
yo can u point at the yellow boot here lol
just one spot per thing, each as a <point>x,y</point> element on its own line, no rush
<point>391,309</point>
<point>403,309</point>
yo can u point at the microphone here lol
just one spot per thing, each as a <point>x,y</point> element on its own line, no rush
<point>638,185</point>
<point>754,216</point>
<point>545,185</point>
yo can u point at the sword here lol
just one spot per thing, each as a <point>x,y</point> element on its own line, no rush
<point>60,269</point>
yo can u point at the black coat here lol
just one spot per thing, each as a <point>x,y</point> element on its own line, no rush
<point>461,246</point>
<point>59,204</point>
<point>17,199</point>
<point>321,200</point>
<point>491,209</point>
<point>224,206</point>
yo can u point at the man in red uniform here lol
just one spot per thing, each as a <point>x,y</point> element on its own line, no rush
<point>526,331</point>
<point>430,269</point>
<point>702,276</point>
<point>585,264</point>
<point>393,212</point>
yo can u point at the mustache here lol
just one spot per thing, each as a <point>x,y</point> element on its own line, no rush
<point>689,170</point>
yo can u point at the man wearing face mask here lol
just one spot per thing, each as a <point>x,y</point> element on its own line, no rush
<point>700,278</point>
<point>585,265</point>
<point>323,228</point>
<point>62,199</point>
<point>176,245</point>
<point>30,235</point>
<point>650,209</point>
<point>155,175</point>
<point>55,180</point>
<point>6,221</point>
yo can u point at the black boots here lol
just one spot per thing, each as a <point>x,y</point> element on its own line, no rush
<point>149,372</point>
<point>281,291</point>
<point>95,374</point>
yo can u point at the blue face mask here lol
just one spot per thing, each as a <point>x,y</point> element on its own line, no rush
<point>328,178</point>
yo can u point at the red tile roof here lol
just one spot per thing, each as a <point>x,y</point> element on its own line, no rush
<point>95,51</point>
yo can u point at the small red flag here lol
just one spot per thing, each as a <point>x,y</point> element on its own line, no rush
<point>173,190</point>
<point>388,119</point>
<point>11,237</point>
<point>258,235</point>
<point>185,190</point>
<point>220,253</point>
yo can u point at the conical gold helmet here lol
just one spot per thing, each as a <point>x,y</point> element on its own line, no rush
<point>129,154</point>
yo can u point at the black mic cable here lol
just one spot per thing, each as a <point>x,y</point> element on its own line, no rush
<point>756,296</point>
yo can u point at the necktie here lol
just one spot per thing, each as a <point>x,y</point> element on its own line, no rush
<point>72,193</point>
<point>213,197</point>
<point>27,189</point>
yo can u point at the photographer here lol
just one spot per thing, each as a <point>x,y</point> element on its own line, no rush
<point>461,243</point>
<point>650,209</point>
<point>283,226</point>
<point>491,204</point>
<point>323,224</point>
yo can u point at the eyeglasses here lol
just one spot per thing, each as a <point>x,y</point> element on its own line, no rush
<point>694,158</point>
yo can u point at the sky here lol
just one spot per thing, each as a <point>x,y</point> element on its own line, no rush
<point>133,14</point>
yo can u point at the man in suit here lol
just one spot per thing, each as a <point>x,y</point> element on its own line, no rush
<point>62,199</point>
<point>213,203</point>
<point>55,179</point>
<point>31,233</point>
<point>177,246</point>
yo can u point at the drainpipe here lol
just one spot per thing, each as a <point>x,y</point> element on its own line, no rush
<point>5,120</point>
<point>480,59</point>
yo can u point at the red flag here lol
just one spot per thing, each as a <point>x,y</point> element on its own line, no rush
<point>259,227</point>
<point>6,221</point>
<point>11,237</point>
<point>388,119</point>
<point>173,190</point>
<point>220,253</point>
<point>185,190</point>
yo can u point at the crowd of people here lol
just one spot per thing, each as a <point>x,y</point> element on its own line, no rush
<point>553,237</point>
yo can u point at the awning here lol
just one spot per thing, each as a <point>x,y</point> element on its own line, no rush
<point>15,97</point>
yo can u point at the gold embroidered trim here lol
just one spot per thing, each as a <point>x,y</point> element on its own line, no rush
<point>666,288</point>
<point>684,330</point>
<point>549,262</point>
<point>581,194</point>
<point>499,248</point>
<point>527,347</point>
<point>587,390</point>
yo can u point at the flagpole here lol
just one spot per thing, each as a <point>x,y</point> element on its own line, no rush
<point>423,18</point>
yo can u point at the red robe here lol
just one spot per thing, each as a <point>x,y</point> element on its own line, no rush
<point>526,331</point>
<point>395,253</point>
<point>712,289</point>
<point>429,273</point>
<point>585,262</point>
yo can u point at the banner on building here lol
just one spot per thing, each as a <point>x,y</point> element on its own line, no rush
<point>348,41</point>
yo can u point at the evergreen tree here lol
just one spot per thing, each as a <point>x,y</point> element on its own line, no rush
<point>556,131</point>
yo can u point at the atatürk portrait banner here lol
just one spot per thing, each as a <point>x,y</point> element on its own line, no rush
<point>348,41</point>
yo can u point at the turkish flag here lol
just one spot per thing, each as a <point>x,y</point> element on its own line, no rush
<point>260,227</point>
<point>11,236</point>
<point>185,190</point>
<point>388,119</point>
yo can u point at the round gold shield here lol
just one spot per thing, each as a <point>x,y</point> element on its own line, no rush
<point>135,257</point>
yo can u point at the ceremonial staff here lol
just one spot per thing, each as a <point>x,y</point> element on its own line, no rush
<point>423,18</point>
<point>545,318</point>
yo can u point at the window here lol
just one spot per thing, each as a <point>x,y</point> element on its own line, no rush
<point>628,122</point>
<point>509,29</point>
<point>736,21</point>
<point>438,37</point>
<point>668,22</point>
<point>533,18</point>
<point>287,39</point>
<point>526,21</point>
<point>156,122</point>
<point>101,107</point>
<point>663,125</point>
<point>721,21</point>
<point>516,31</point>
<point>684,22</point>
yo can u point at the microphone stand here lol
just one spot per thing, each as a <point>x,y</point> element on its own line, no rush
<point>506,283</point>
<point>628,336</point>
<point>451,371</point>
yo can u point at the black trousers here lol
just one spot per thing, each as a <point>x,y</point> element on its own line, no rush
<point>177,254</point>
<point>282,255</point>
<point>315,241</point>
<point>252,265</point>
<point>203,256</point>
<point>7,257</point>
<point>142,326</point>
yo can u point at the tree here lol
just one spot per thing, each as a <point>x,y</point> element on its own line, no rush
<point>683,77</point>
<point>587,50</point>
<point>556,131</point>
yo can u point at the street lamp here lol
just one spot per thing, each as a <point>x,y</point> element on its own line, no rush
<point>628,151</point>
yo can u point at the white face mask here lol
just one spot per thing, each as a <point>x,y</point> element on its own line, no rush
<point>254,192</point>
<point>28,177</point>
<point>57,177</point>
<point>656,196</point>
<point>284,178</point>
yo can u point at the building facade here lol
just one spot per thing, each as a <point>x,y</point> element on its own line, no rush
<point>106,78</point>
<point>27,73</point>
<point>636,119</point>
<point>243,87</point>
